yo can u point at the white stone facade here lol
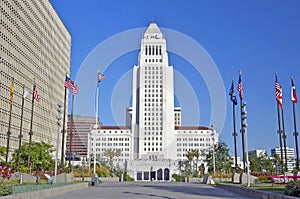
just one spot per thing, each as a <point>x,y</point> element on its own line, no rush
<point>290,154</point>
<point>157,141</point>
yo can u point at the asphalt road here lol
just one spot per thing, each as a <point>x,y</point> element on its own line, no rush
<point>153,190</point>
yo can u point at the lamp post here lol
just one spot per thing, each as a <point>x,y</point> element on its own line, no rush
<point>94,153</point>
<point>244,129</point>
<point>59,112</point>
<point>82,171</point>
<point>213,139</point>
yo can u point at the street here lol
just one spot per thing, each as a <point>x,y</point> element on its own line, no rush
<point>147,190</point>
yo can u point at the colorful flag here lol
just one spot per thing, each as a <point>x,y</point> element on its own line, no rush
<point>240,86</point>
<point>35,93</point>
<point>11,91</point>
<point>293,92</point>
<point>278,92</point>
<point>100,77</point>
<point>25,93</point>
<point>69,84</point>
<point>75,90</point>
<point>232,94</point>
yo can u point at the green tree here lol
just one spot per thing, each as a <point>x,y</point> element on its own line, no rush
<point>197,155</point>
<point>223,160</point>
<point>40,156</point>
<point>261,163</point>
<point>2,153</point>
<point>110,154</point>
<point>190,156</point>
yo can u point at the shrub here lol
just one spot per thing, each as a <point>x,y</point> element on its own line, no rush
<point>103,171</point>
<point>128,178</point>
<point>5,190</point>
<point>292,188</point>
<point>178,178</point>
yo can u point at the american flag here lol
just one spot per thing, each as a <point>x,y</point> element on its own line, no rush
<point>278,92</point>
<point>75,90</point>
<point>100,77</point>
<point>35,93</point>
<point>240,86</point>
<point>293,92</point>
<point>69,84</point>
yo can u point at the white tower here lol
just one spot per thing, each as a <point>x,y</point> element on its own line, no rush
<point>153,100</point>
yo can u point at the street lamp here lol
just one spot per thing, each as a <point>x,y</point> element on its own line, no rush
<point>244,129</point>
<point>213,139</point>
<point>82,164</point>
<point>59,112</point>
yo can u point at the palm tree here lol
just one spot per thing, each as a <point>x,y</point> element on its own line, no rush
<point>197,155</point>
<point>110,153</point>
<point>190,156</point>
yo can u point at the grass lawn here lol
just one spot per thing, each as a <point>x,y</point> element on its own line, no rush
<point>276,188</point>
<point>34,187</point>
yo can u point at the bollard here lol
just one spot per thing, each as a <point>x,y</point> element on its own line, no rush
<point>21,178</point>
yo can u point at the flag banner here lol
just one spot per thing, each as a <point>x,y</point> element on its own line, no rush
<point>100,77</point>
<point>293,92</point>
<point>11,91</point>
<point>240,86</point>
<point>35,94</point>
<point>75,90</point>
<point>278,93</point>
<point>25,93</point>
<point>232,94</point>
<point>69,84</point>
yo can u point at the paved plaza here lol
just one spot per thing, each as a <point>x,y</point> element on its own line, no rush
<point>153,190</point>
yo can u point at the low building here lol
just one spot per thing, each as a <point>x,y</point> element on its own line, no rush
<point>289,154</point>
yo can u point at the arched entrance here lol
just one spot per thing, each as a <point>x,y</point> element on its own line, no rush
<point>159,174</point>
<point>167,174</point>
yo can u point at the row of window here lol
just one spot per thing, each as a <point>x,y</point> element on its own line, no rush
<point>113,131</point>
<point>153,81</point>
<point>152,133</point>
<point>152,138</point>
<point>153,50</point>
<point>193,139</point>
<point>115,139</point>
<point>153,90</point>
<point>153,95</point>
<point>152,144</point>
<point>153,60</point>
<point>152,149</point>
<point>152,68</point>
<point>193,144</point>
<point>153,123</point>
<point>153,77</point>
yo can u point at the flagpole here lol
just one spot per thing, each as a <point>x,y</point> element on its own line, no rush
<point>9,121</point>
<point>63,133</point>
<point>242,131</point>
<point>279,131</point>
<point>30,130</point>
<point>295,126</point>
<point>71,133</point>
<point>234,132</point>
<point>284,139</point>
<point>96,124</point>
<point>21,126</point>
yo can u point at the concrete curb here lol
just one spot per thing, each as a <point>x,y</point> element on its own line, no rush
<point>257,194</point>
<point>47,193</point>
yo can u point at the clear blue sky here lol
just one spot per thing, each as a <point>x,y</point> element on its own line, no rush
<point>258,37</point>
